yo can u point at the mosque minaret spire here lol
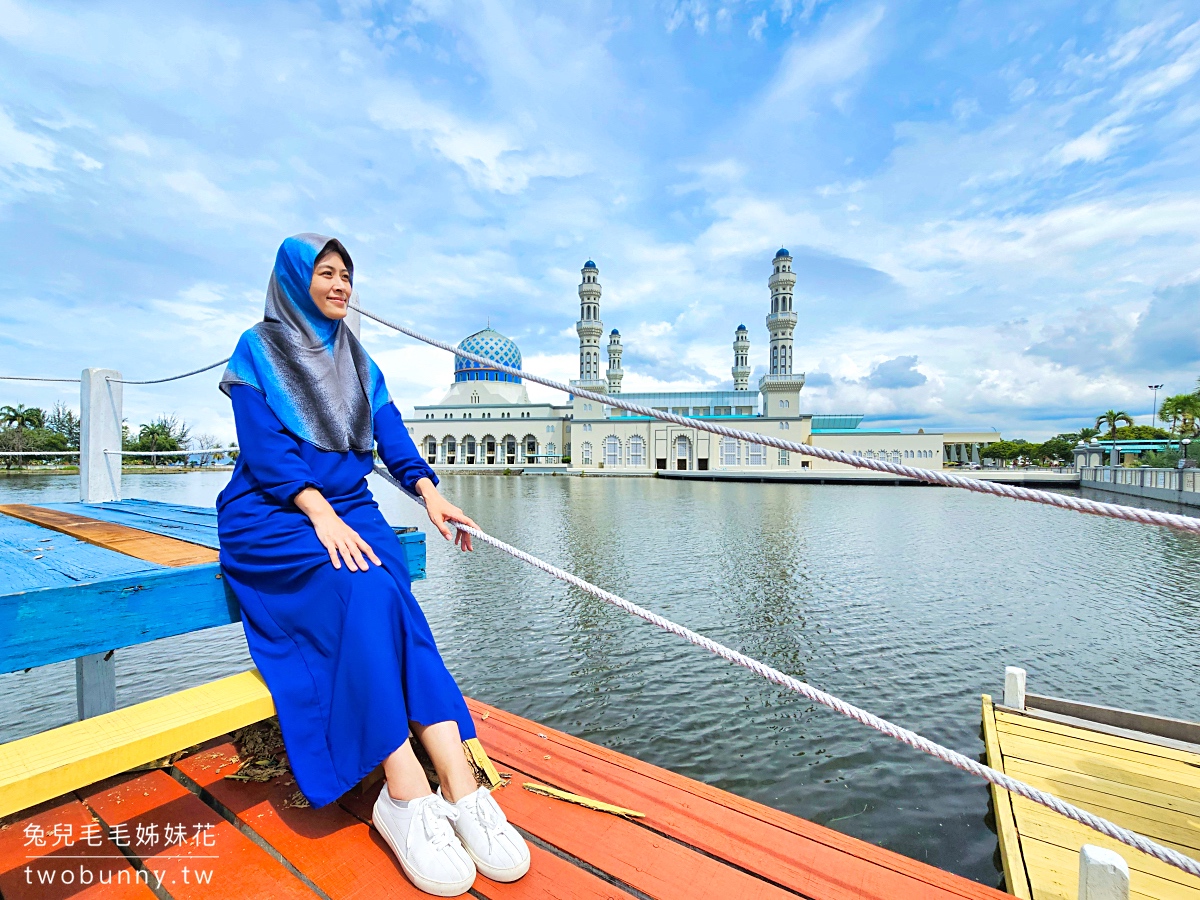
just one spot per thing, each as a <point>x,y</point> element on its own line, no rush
<point>590,329</point>
<point>615,373</point>
<point>781,386</point>
<point>741,359</point>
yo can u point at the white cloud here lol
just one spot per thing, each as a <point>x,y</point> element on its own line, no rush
<point>20,148</point>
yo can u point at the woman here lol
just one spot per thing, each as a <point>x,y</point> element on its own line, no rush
<point>324,588</point>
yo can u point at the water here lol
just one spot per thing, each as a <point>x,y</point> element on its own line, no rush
<point>907,601</point>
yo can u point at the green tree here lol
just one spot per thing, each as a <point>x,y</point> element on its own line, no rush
<point>1182,412</point>
<point>63,420</point>
<point>21,416</point>
<point>1112,418</point>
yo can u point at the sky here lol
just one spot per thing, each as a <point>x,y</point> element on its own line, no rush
<point>994,209</point>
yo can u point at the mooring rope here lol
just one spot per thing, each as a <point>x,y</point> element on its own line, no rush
<point>172,378</point>
<point>911,738</point>
<point>31,378</point>
<point>932,476</point>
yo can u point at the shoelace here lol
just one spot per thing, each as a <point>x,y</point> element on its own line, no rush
<point>435,815</point>
<point>489,816</point>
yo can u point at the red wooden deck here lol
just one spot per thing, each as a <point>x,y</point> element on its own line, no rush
<point>242,839</point>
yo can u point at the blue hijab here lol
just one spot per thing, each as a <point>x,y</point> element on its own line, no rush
<point>315,375</point>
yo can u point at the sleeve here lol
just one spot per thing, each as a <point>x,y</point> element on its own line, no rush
<point>397,450</point>
<point>268,450</point>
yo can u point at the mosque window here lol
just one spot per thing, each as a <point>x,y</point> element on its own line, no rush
<point>637,451</point>
<point>530,448</point>
<point>510,450</point>
<point>587,453</point>
<point>612,450</point>
<point>756,455</point>
<point>551,452</point>
<point>469,450</point>
<point>729,452</point>
<point>489,450</point>
<point>682,452</point>
<point>430,450</point>
<point>451,447</point>
<point>785,458</point>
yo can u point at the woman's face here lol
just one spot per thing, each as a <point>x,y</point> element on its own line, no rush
<point>330,288</point>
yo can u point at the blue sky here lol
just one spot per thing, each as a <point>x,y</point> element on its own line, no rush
<point>994,208</point>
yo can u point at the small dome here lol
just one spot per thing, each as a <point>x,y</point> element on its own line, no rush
<point>782,252</point>
<point>492,345</point>
<point>741,328</point>
<point>614,331</point>
<point>590,265</point>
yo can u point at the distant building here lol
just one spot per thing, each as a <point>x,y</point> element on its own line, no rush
<point>486,419</point>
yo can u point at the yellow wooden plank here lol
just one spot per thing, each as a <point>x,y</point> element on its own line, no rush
<point>1038,823</point>
<point>1180,829</point>
<point>1082,743</point>
<point>1054,873</point>
<point>1005,717</point>
<point>1108,767</point>
<point>43,766</point>
<point>1022,768</point>
<point>1015,876</point>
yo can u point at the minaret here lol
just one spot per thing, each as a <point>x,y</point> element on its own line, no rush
<point>615,374</point>
<point>780,387</point>
<point>590,328</point>
<point>782,320</point>
<point>741,359</point>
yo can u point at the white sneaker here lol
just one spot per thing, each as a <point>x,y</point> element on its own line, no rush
<point>497,848</point>
<point>424,842</point>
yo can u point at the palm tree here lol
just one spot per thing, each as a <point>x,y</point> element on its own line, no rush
<point>1111,418</point>
<point>21,417</point>
<point>155,433</point>
<point>1182,412</point>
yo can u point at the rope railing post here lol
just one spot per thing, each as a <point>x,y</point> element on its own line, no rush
<point>101,404</point>
<point>101,410</point>
<point>775,676</point>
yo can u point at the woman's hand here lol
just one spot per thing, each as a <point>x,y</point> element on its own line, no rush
<point>440,510</point>
<point>335,535</point>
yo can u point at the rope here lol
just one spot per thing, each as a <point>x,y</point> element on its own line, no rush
<point>172,378</point>
<point>31,378</point>
<point>932,476</point>
<point>911,738</point>
<point>39,452</point>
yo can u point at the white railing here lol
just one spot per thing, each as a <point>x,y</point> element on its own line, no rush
<point>1178,480</point>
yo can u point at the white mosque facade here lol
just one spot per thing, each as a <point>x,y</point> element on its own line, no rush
<point>486,420</point>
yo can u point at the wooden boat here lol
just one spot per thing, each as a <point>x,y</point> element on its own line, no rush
<point>81,802</point>
<point>1137,770</point>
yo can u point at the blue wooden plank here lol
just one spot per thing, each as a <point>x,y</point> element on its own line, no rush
<point>33,557</point>
<point>51,624</point>
<point>198,524</point>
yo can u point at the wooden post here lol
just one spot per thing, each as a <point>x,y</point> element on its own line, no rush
<point>99,430</point>
<point>1014,687</point>
<point>1103,874</point>
<point>353,316</point>
<point>100,415</point>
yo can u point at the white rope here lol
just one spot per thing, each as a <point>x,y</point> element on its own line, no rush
<point>172,378</point>
<point>31,378</point>
<point>911,738</point>
<point>39,452</point>
<point>932,476</point>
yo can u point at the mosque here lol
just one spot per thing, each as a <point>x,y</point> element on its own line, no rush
<point>487,421</point>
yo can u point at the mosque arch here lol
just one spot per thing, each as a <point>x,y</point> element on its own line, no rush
<point>586,453</point>
<point>429,446</point>
<point>683,452</point>
<point>508,450</point>
<point>488,449</point>
<point>529,449</point>
<point>449,450</point>
<point>612,450</point>
<point>469,449</point>
<point>637,451</point>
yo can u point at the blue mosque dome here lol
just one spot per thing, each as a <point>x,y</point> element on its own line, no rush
<point>782,252</point>
<point>589,265</point>
<point>493,345</point>
<point>614,331</point>
<point>741,328</point>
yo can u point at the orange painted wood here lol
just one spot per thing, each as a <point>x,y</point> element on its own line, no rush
<point>133,542</point>
<point>657,866</point>
<point>801,855</point>
<point>48,863</point>
<point>238,866</point>
<point>343,856</point>
<point>549,877</point>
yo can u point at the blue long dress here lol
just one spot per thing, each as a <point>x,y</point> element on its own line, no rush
<point>348,656</point>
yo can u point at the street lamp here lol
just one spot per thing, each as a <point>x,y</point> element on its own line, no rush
<point>1154,415</point>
